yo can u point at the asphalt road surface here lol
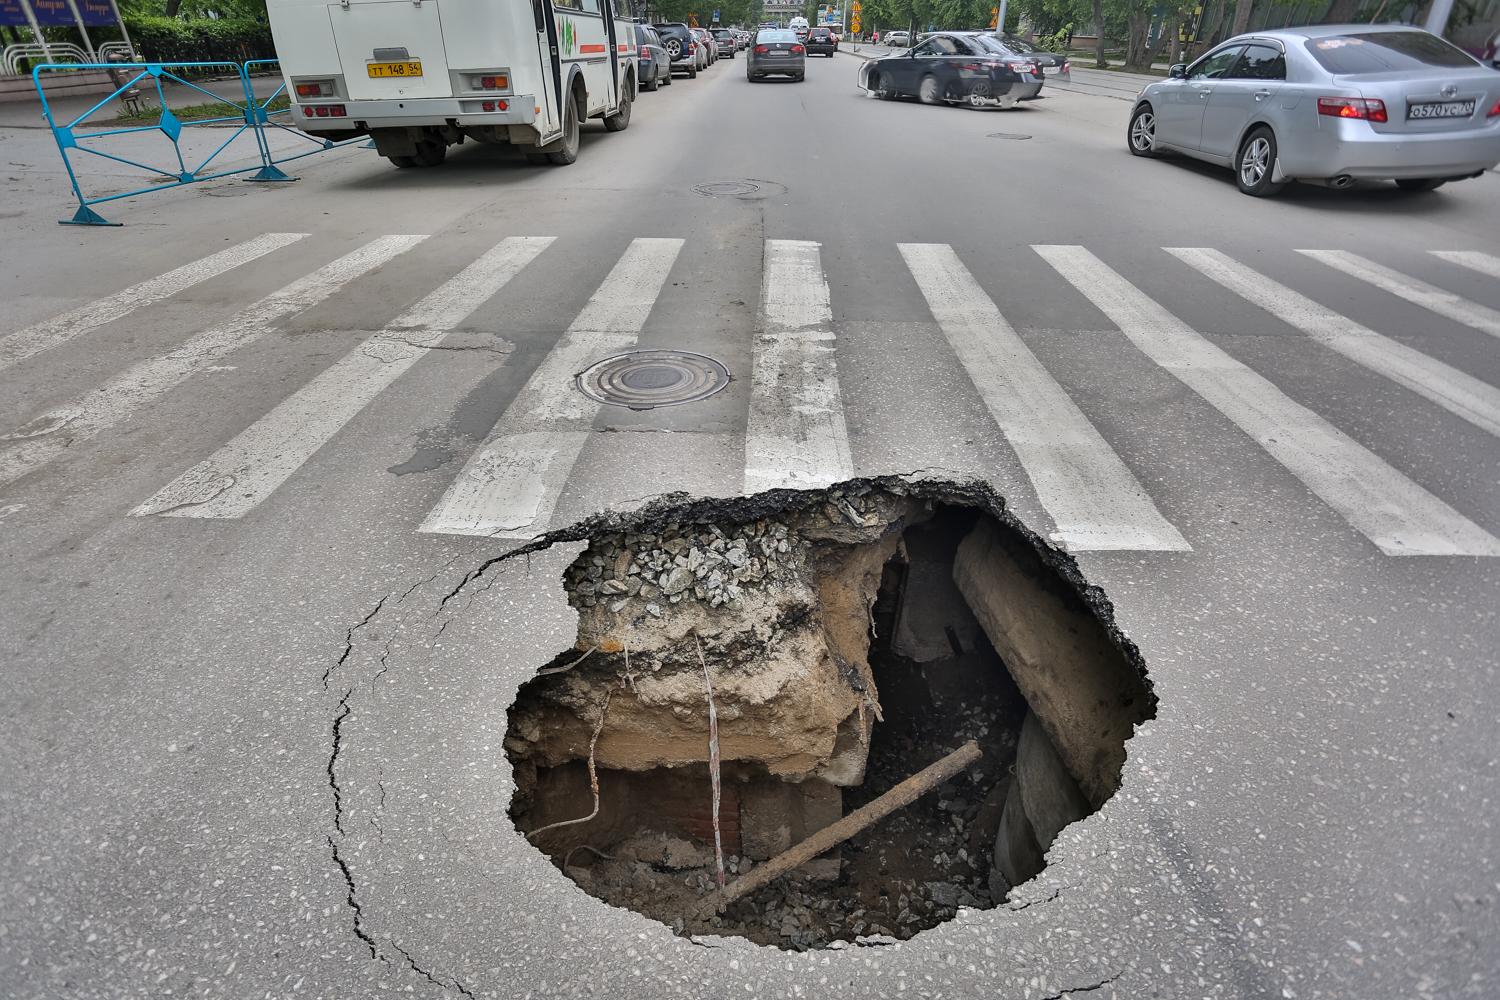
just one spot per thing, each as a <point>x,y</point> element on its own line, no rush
<point>248,512</point>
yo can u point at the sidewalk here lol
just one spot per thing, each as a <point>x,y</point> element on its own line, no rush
<point>28,114</point>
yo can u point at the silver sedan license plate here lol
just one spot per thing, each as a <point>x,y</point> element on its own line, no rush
<point>1440,109</point>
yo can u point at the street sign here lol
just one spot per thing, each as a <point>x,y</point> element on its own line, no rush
<point>994,17</point>
<point>854,22</point>
<point>716,17</point>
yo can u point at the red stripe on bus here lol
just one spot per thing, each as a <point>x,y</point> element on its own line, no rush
<point>592,48</point>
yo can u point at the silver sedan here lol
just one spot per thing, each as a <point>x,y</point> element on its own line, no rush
<point>1328,104</point>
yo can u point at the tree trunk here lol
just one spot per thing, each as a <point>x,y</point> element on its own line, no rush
<point>1099,34</point>
<point>1341,11</point>
<point>1137,42</point>
<point>173,6</point>
<point>1242,11</point>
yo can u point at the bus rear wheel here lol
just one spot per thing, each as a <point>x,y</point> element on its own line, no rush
<point>620,120</point>
<point>563,151</point>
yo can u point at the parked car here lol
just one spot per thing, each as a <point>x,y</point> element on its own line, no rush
<point>655,61</point>
<point>725,39</point>
<point>952,68</point>
<point>682,47</point>
<point>1052,63</point>
<point>898,38</point>
<point>710,47</point>
<point>1330,104</point>
<point>820,42</point>
<point>776,51</point>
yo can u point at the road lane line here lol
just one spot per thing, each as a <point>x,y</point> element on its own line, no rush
<point>48,435</point>
<point>1399,516</point>
<point>247,470</point>
<point>17,347</point>
<point>510,486</point>
<point>795,437</point>
<point>1093,497</point>
<point>1484,263</point>
<point>1431,297</point>
<point>1475,401</point>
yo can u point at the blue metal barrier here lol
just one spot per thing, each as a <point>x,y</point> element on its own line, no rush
<point>245,114</point>
<point>265,119</point>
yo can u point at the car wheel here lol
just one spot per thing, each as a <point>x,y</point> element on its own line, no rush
<point>927,90</point>
<point>1420,183</point>
<point>651,84</point>
<point>674,49</point>
<point>666,81</point>
<point>620,120</point>
<point>1256,163</point>
<point>564,151</point>
<point>693,73</point>
<point>980,96</point>
<point>1141,134</point>
<point>404,162</point>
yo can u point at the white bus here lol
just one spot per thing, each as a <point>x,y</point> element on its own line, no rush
<point>421,75</point>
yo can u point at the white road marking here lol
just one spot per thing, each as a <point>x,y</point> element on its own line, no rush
<point>1440,301</point>
<point>39,337</point>
<point>1475,401</point>
<point>247,470</point>
<point>795,438</point>
<point>509,488</point>
<point>1385,506</point>
<point>1484,263</point>
<point>48,435</point>
<point>1092,496</point>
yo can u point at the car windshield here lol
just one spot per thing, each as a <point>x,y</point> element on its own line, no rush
<point>1015,44</point>
<point>991,44</point>
<point>776,36</point>
<point>1385,52</point>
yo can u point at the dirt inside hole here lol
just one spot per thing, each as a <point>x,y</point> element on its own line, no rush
<point>850,638</point>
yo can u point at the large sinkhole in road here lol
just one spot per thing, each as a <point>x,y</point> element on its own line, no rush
<point>752,683</point>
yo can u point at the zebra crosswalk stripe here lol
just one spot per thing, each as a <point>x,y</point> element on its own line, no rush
<point>1475,401</point>
<point>32,340</point>
<point>1438,300</point>
<point>48,435</point>
<point>249,468</point>
<point>1385,506</point>
<point>1095,500</point>
<point>1474,260</point>
<point>509,488</point>
<point>795,436</point>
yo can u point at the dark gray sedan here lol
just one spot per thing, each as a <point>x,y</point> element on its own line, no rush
<point>655,62</point>
<point>776,51</point>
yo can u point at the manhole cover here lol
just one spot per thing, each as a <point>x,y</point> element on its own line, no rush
<point>642,380</point>
<point>727,189</point>
<point>1008,135</point>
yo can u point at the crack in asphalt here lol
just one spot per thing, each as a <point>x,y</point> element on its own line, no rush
<point>353,900</point>
<point>454,985</point>
<point>1082,989</point>
<point>349,649</point>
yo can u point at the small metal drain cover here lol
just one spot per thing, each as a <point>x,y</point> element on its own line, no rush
<point>643,380</point>
<point>727,189</point>
<point>1008,135</point>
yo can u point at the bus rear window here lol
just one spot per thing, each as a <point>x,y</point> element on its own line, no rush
<point>1385,52</point>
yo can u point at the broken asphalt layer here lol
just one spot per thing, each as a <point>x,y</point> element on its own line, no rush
<point>1307,814</point>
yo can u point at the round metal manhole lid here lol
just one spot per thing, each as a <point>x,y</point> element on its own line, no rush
<point>1008,135</point>
<point>643,380</point>
<point>727,189</point>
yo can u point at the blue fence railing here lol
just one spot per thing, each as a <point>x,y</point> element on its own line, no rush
<point>172,151</point>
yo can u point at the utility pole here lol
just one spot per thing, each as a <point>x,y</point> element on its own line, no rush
<point>1000,19</point>
<point>1437,17</point>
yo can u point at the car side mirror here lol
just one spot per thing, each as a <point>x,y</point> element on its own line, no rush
<point>1177,71</point>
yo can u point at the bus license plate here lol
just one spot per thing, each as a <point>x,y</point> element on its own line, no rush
<point>394,69</point>
<point>1443,109</point>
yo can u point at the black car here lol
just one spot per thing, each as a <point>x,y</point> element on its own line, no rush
<point>1052,63</point>
<point>820,42</point>
<point>728,44</point>
<point>677,38</point>
<point>949,68</point>
<point>655,63</point>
